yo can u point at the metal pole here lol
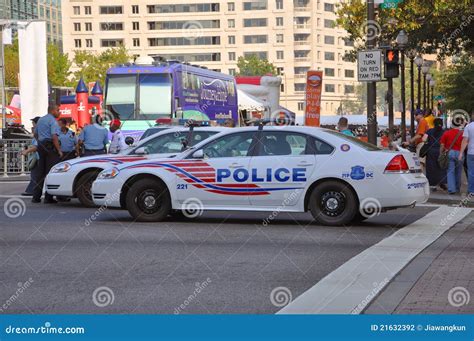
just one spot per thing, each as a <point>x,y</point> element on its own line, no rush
<point>424,91</point>
<point>412,97</point>
<point>418,105</point>
<point>390,110</point>
<point>371,86</point>
<point>402,78</point>
<point>2,83</point>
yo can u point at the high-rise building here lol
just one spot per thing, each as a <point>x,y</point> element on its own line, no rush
<point>295,35</point>
<point>18,9</point>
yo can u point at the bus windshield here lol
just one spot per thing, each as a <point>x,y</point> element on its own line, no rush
<point>153,93</point>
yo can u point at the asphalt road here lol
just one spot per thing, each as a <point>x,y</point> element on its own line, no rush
<point>59,255</point>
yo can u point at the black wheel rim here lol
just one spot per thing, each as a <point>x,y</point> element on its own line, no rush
<point>333,203</point>
<point>149,201</point>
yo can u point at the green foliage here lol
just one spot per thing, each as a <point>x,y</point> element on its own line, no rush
<point>58,66</point>
<point>12,64</point>
<point>254,66</point>
<point>93,67</point>
<point>434,26</point>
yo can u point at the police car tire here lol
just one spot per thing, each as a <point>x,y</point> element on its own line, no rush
<point>81,192</point>
<point>138,192</point>
<point>339,192</point>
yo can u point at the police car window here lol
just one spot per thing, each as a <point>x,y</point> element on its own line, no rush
<point>151,131</point>
<point>354,140</point>
<point>167,143</point>
<point>235,145</point>
<point>318,147</point>
<point>282,143</point>
<point>199,136</point>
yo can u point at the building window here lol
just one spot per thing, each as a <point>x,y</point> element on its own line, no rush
<point>231,6</point>
<point>88,26</point>
<point>232,56</point>
<point>256,39</point>
<point>77,43</point>
<point>330,88</point>
<point>279,4</point>
<point>329,23</point>
<point>329,72</point>
<point>280,38</point>
<point>280,55</point>
<point>111,10</point>
<point>280,71</point>
<point>256,5</point>
<point>231,40</point>
<point>329,56</point>
<point>76,10</point>
<point>136,42</point>
<point>259,55</point>
<point>88,42</point>
<point>111,26</point>
<point>300,106</point>
<point>182,41</point>
<point>88,10</point>
<point>182,24</point>
<point>135,9</point>
<point>349,73</point>
<point>348,42</point>
<point>232,72</point>
<point>279,21</point>
<point>185,8</point>
<point>255,22</point>
<point>136,25</point>
<point>328,7</point>
<point>111,42</point>
<point>194,57</point>
<point>77,26</point>
<point>300,87</point>
<point>329,40</point>
<point>231,23</point>
<point>348,89</point>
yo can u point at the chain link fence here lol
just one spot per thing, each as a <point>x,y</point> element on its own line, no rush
<point>11,160</point>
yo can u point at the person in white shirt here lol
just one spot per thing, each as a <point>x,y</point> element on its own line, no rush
<point>117,144</point>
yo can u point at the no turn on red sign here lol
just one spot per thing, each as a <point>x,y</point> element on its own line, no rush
<point>369,66</point>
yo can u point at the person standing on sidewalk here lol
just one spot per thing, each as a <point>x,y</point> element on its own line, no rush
<point>117,144</point>
<point>417,140</point>
<point>435,174</point>
<point>468,144</point>
<point>32,153</point>
<point>67,139</point>
<point>452,141</point>
<point>49,150</point>
<point>94,137</point>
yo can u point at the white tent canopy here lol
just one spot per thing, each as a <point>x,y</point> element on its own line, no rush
<point>249,102</point>
<point>382,121</point>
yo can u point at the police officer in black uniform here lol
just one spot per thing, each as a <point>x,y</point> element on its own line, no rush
<point>49,149</point>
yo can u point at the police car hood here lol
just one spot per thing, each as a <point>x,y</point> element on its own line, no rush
<point>115,159</point>
<point>161,159</point>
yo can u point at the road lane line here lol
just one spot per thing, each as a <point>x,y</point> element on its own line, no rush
<point>14,182</point>
<point>351,287</point>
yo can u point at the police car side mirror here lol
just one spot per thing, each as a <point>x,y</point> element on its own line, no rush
<point>129,140</point>
<point>140,151</point>
<point>198,154</point>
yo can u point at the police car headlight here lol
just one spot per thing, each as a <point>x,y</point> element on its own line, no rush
<point>61,167</point>
<point>108,174</point>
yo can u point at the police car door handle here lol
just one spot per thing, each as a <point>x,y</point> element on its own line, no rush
<point>304,163</point>
<point>235,165</point>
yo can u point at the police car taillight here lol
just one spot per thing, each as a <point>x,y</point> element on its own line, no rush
<point>397,165</point>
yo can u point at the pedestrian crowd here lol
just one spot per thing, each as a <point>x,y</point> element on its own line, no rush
<point>54,141</point>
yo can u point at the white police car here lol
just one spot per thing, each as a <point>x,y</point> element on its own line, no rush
<point>74,178</point>
<point>293,169</point>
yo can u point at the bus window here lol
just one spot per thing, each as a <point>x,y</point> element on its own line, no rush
<point>155,95</point>
<point>120,97</point>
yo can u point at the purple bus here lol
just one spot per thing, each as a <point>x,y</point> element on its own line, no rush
<point>140,94</point>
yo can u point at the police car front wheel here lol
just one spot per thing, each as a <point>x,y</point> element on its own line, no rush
<point>148,200</point>
<point>333,203</point>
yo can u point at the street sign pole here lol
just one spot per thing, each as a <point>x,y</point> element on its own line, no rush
<point>371,86</point>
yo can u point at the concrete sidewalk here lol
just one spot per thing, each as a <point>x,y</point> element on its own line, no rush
<point>14,177</point>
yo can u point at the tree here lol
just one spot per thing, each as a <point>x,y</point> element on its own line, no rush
<point>12,64</point>
<point>457,85</point>
<point>434,26</point>
<point>93,67</point>
<point>58,66</point>
<point>254,66</point>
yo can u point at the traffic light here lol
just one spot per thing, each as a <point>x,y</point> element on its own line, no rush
<point>392,69</point>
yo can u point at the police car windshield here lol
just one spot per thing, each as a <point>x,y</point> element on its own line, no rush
<point>354,140</point>
<point>152,131</point>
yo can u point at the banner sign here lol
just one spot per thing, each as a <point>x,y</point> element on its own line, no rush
<point>314,83</point>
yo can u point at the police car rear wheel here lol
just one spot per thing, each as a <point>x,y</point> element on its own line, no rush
<point>333,203</point>
<point>148,200</point>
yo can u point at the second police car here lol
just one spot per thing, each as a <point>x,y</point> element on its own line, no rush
<point>74,178</point>
<point>285,169</point>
